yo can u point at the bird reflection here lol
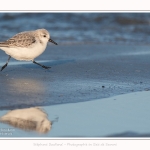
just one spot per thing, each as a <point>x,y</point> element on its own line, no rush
<point>30,119</point>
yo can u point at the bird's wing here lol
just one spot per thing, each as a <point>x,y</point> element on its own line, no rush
<point>23,39</point>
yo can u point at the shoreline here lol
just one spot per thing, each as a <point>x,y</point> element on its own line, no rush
<point>118,116</point>
<point>90,91</point>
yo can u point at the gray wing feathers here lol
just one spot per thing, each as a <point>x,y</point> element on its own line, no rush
<point>23,39</point>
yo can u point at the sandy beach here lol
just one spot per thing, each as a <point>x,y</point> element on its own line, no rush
<point>79,73</point>
<point>125,115</point>
<point>86,85</point>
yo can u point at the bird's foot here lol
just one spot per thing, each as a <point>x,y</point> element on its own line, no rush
<point>3,67</point>
<point>45,67</point>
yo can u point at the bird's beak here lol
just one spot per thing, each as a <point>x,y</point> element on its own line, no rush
<point>50,40</point>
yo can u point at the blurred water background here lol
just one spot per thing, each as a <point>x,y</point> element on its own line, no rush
<point>81,28</point>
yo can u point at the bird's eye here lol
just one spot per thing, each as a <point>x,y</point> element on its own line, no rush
<point>44,35</point>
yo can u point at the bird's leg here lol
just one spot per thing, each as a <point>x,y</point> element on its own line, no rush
<point>6,63</point>
<point>45,67</point>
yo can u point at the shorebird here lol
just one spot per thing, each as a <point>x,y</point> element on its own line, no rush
<point>27,46</point>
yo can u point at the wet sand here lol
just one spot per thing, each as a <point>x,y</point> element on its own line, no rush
<point>79,73</point>
<point>90,75</point>
<point>124,115</point>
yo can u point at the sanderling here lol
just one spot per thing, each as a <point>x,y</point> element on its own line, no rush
<point>27,46</point>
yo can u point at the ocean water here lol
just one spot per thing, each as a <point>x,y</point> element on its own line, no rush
<point>77,28</point>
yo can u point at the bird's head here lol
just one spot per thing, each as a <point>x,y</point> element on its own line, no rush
<point>45,36</point>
